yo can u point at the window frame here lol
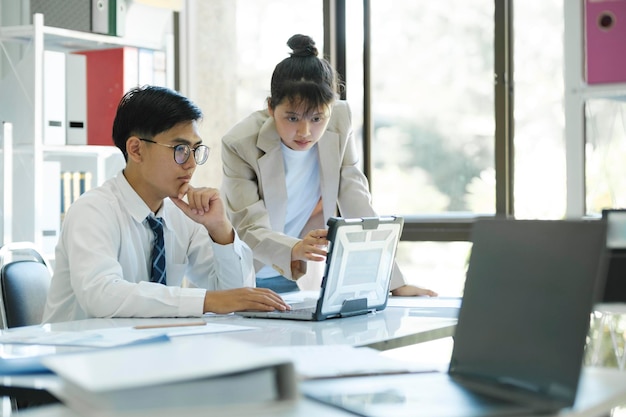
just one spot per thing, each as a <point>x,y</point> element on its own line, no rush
<point>443,228</point>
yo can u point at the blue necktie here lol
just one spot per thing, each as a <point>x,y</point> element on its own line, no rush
<point>158,251</point>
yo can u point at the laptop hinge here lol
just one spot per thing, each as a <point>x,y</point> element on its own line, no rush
<point>353,307</point>
<point>370,223</point>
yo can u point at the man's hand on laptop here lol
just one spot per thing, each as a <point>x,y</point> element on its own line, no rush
<point>412,290</point>
<point>240,299</point>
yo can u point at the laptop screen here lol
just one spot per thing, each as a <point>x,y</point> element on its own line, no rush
<point>360,259</point>
<point>615,286</point>
<point>616,228</point>
<point>528,296</point>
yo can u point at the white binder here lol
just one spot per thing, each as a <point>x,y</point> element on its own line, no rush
<point>51,213</point>
<point>76,99</point>
<point>108,17</point>
<point>54,98</point>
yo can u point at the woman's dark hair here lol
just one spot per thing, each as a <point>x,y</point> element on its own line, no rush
<point>304,78</point>
<point>149,110</point>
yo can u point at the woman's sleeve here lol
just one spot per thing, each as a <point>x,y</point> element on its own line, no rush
<point>246,210</point>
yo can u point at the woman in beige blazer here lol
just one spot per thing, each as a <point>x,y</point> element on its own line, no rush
<point>288,168</point>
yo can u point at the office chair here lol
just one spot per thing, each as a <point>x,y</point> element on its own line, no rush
<point>24,283</point>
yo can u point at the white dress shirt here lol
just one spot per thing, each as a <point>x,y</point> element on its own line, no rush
<point>103,260</point>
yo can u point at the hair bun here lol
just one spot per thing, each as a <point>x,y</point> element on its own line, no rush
<point>302,46</point>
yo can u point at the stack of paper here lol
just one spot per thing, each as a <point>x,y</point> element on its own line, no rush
<point>185,375</point>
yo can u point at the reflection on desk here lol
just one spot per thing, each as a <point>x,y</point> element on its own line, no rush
<point>384,330</point>
<point>388,329</point>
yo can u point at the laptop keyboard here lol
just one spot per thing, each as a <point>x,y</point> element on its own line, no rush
<point>302,310</point>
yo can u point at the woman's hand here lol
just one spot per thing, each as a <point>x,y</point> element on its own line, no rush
<point>313,247</point>
<point>411,290</point>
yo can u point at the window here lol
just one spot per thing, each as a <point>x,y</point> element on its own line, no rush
<point>262,31</point>
<point>605,152</point>
<point>433,125</point>
<point>228,51</point>
<point>539,114</point>
<point>432,105</point>
<point>439,266</point>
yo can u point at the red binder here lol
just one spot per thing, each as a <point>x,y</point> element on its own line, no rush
<point>605,41</point>
<point>110,74</point>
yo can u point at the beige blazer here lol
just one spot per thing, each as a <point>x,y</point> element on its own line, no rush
<point>255,193</point>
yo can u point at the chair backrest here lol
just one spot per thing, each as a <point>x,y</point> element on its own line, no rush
<point>24,283</point>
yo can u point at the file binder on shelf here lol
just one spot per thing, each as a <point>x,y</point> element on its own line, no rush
<point>66,192</point>
<point>76,99</point>
<point>73,185</point>
<point>51,223</point>
<point>145,67</point>
<point>110,74</point>
<point>605,41</point>
<point>159,62</point>
<point>108,17</point>
<point>54,98</point>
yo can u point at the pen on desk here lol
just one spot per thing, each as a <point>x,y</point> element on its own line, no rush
<point>165,325</point>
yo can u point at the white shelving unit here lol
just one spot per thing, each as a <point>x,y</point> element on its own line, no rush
<point>21,104</point>
<point>577,93</point>
<point>6,142</point>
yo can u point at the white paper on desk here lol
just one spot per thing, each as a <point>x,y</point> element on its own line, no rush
<point>22,352</point>
<point>111,337</point>
<point>332,361</point>
<point>23,349</point>
<point>87,338</point>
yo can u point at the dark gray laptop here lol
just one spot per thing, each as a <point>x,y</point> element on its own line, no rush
<point>361,254</point>
<point>520,336</point>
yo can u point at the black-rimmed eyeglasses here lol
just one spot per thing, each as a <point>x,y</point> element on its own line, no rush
<point>182,152</point>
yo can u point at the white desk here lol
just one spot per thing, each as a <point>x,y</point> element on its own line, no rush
<point>391,328</point>
<point>601,389</point>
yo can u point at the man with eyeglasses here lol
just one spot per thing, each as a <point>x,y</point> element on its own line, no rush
<point>146,243</point>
